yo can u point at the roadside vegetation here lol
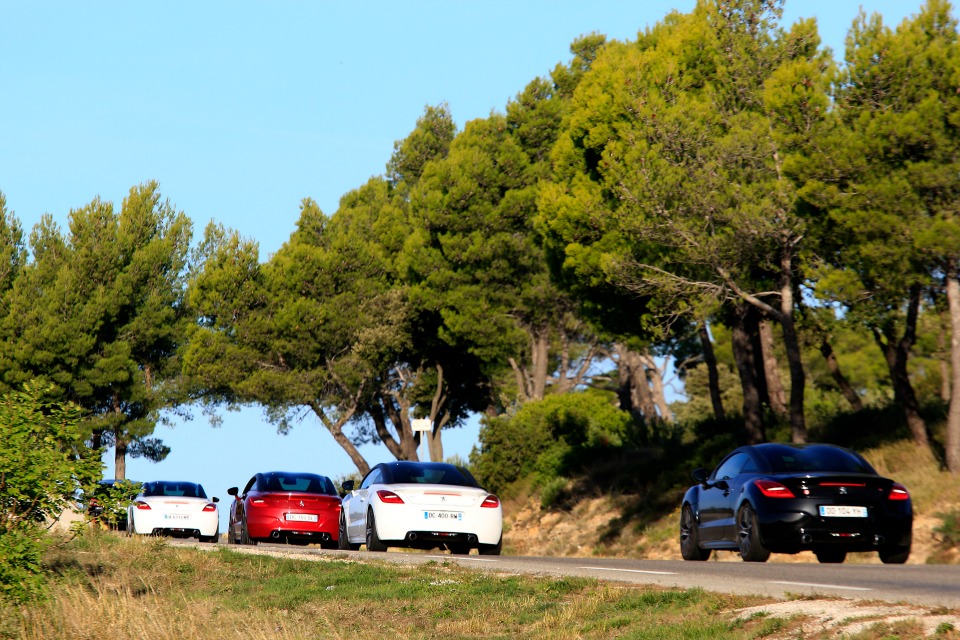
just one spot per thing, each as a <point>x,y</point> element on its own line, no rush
<point>106,586</point>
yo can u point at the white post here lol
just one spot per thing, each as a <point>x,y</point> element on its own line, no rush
<point>424,426</point>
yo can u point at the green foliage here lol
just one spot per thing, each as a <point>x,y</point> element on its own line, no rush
<point>45,465</point>
<point>546,437</point>
<point>113,499</point>
<point>948,531</point>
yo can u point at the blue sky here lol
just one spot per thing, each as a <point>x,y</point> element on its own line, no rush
<point>240,109</point>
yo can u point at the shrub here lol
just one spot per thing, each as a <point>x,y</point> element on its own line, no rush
<point>44,466</point>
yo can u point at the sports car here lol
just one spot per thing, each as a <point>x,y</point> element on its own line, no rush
<point>281,506</point>
<point>420,505</point>
<point>178,509</point>
<point>786,498</point>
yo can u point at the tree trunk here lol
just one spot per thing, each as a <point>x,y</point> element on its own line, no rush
<point>120,455</point>
<point>771,370</point>
<point>710,358</point>
<point>952,443</point>
<point>625,392</point>
<point>655,379</point>
<point>946,359</point>
<point>896,353</point>
<point>540,345</point>
<point>336,430</point>
<point>834,367</point>
<point>746,366</point>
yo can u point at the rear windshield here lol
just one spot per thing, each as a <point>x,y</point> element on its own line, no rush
<point>173,489</point>
<point>431,473</point>
<point>299,483</point>
<point>832,459</point>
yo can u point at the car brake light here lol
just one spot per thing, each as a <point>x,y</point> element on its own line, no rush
<point>772,489</point>
<point>258,502</point>
<point>210,507</point>
<point>491,501</point>
<point>898,492</point>
<point>389,497</point>
<point>143,506</point>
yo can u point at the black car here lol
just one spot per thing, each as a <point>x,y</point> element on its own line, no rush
<point>787,498</point>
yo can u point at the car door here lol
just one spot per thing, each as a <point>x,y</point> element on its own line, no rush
<point>718,498</point>
<point>358,503</point>
<point>238,510</point>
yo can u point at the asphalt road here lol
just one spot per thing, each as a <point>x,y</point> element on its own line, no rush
<point>929,585</point>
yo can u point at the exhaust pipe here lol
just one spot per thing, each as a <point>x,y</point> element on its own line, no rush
<point>325,536</point>
<point>806,538</point>
<point>878,540</point>
<point>411,536</point>
<point>274,534</point>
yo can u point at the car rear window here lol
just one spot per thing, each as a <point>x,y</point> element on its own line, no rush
<point>831,459</point>
<point>174,489</point>
<point>431,473</point>
<point>300,483</point>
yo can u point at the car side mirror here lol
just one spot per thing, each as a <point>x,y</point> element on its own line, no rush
<point>215,499</point>
<point>348,485</point>
<point>700,475</point>
<point>233,491</point>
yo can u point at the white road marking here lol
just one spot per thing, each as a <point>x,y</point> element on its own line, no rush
<point>462,558</point>
<point>656,573</point>
<point>821,586</point>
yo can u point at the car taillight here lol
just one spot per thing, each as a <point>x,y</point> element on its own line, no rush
<point>491,501</point>
<point>898,492</point>
<point>389,497</point>
<point>141,505</point>
<point>210,507</point>
<point>258,502</point>
<point>772,489</point>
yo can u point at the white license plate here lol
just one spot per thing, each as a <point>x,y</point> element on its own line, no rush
<point>836,511</point>
<point>442,515</point>
<point>301,517</point>
<point>175,516</point>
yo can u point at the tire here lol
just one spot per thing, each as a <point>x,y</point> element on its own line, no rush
<point>343,542</point>
<point>690,537</point>
<point>894,555</point>
<point>748,536</point>
<point>373,540</point>
<point>491,549</point>
<point>214,538</point>
<point>245,535</point>
<point>830,556</point>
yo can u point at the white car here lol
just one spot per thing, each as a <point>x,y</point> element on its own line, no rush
<point>179,509</point>
<point>420,505</point>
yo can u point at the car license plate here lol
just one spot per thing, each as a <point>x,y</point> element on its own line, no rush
<point>301,517</point>
<point>442,515</point>
<point>837,511</point>
<point>175,516</point>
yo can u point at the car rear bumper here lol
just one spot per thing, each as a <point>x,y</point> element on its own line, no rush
<point>789,532</point>
<point>410,523</point>
<point>205,524</point>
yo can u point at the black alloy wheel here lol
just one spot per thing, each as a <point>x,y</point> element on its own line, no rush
<point>245,534</point>
<point>690,537</point>
<point>748,536</point>
<point>894,555</point>
<point>373,540</point>
<point>491,549</point>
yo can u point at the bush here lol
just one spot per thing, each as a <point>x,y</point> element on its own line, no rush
<point>45,466</point>
<point>544,437</point>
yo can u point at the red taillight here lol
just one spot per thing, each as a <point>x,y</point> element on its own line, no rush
<point>389,497</point>
<point>141,505</point>
<point>491,501</point>
<point>210,507</point>
<point>772,489</point>
<point>898,492</point>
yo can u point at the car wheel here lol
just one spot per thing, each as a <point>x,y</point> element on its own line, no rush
<point>459,549</point>
<point>491,549</point>
<point>894,555</point>
<point>373,540</point>
<point>245,534</point>
<point>830,556</point>
<point>690,536</point>
<point>212,538</point>
<point>343,542</point>
<point>748,536</point>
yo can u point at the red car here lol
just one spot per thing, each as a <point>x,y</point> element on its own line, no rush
<point>277,506</point>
